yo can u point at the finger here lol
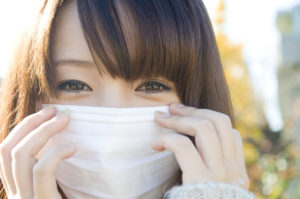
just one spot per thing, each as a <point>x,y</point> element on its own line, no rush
<point>241,158</point>
<point>28,124</point>
<point>44,181</point>
<point>3,181</point>
<point>25,151</point>
<point>185,152</point>
<point>16,135</point>
<point>207,141</point>
<point>221,121</point>
<point>240,149</point>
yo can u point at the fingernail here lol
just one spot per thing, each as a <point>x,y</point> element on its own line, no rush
<point>161,114</point>
<point>63,114</point>
<point>178,105</point>
<point>156,146</point>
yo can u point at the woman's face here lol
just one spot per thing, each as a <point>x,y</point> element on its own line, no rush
<point>79,82</point>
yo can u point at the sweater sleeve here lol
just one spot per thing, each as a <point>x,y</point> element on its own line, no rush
<point>208,190</point>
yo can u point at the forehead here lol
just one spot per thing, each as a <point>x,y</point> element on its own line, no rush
<point>68,40</point>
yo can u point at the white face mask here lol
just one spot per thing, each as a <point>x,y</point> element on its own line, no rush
<point>114,159</point>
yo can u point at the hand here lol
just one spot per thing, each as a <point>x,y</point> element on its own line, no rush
<point>22,175</point>
<point>217,154</point>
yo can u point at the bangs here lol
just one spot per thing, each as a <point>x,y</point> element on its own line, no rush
<point>133,39</point>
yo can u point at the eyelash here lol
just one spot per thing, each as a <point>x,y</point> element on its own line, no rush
<point>63,86</point>
<point>159,87</point>
<point>149,87</point>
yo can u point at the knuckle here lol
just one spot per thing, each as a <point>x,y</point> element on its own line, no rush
<point>238,140</point>
<point>184,142</point>
<point>237,134</point>
<point>189,110</point>
<point>39,171</point>
<point>16,153</point>
<point>207,124</point>
<point>193,129</point>
<point>223,118</point>
<point>4,150</point>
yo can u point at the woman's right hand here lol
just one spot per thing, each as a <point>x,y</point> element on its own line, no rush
<point>21,174</point>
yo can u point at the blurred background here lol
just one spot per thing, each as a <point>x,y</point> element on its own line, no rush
<point>259,42</point>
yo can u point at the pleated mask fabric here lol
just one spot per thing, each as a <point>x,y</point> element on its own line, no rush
<point>114,158</point>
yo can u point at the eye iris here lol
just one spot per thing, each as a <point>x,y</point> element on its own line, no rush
<point>152,86</point>
<point>76,86</point>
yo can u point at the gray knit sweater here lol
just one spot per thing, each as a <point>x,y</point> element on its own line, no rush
<point>208,190</point>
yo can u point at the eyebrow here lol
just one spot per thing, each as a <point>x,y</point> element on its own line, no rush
<point>74,62</point>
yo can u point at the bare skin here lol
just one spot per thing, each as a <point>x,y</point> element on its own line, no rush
<point>217,156</point>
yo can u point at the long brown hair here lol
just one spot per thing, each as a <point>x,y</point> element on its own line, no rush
<point>171,38</point>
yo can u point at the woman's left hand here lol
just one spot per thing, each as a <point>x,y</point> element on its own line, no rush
<point>218,151</point>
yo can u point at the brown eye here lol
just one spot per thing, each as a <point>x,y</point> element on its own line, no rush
<point>73,86</point>
<point>153,87</point>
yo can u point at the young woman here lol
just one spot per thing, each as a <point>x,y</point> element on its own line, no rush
<point>120,54</point>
